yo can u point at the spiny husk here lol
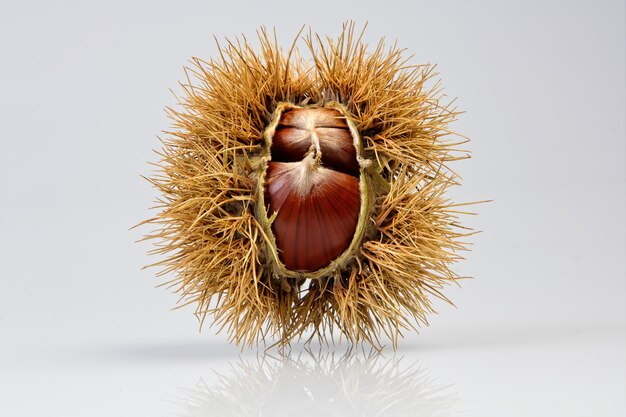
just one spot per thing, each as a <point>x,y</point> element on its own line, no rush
<point>214,246</point>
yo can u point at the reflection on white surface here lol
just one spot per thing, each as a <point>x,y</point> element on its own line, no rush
<point>363,385</point>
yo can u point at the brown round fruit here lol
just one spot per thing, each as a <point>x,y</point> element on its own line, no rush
<point>311,188</point>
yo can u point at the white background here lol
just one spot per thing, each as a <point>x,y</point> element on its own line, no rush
<point>538,332</point>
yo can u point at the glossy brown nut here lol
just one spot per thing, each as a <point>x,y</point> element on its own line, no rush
<point>319,116</point>
<point>312,187</point>
<point>338,151</point>
<point>290,144</point>
<point>295,134</point>
<point>314,224</point>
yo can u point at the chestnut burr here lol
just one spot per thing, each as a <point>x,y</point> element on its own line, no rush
<point>307,193</point>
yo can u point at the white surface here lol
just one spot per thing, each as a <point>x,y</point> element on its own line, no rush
<point>539,332</point>
<point>537,371</point>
